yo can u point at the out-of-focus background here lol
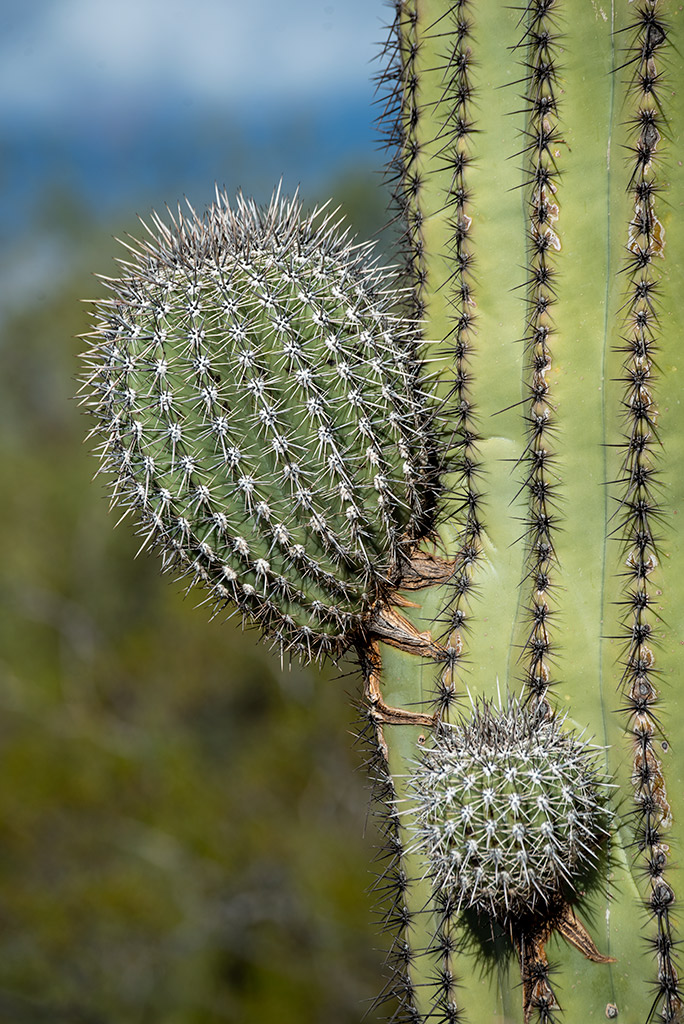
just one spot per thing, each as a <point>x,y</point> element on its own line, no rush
<point>183,825</point>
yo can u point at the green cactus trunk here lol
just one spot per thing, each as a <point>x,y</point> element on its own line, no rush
<point>540,185</point>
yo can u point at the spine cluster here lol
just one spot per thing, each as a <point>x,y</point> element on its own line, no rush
<point>638,506</point>
<point>541,173</point>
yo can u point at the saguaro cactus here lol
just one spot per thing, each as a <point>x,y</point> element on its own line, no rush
<point>472,480</point>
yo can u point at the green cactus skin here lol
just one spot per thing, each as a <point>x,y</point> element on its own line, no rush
<point>262,415</point>
<point>539,180</point>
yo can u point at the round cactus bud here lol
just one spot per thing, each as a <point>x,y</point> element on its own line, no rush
<point>261,411</point>
<point>510,812</point>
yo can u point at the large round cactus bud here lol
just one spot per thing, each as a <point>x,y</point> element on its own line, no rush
<point>261,411</point>
<point>510,811</point>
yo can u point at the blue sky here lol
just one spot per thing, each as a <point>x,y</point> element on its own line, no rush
<point>63,59</point>
<point>123,105</point>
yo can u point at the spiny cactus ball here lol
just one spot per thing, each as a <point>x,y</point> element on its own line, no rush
<point>511,810</point>
<point>261,411</point>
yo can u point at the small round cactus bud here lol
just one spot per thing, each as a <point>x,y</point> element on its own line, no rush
<point>261,412</point>
<point>510,811</point>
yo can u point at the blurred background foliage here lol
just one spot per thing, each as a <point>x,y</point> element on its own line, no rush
<point>185,835</point>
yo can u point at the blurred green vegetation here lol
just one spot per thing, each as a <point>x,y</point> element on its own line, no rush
<point>181,821</point>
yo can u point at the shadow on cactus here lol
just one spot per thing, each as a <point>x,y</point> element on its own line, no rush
<point>491,506</point>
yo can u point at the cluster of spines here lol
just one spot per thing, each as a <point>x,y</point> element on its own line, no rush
<point>220,469</point>
<point>638,509</point>
<point>541,176</point>
<point>447,1008</point>
<point>453,142</point>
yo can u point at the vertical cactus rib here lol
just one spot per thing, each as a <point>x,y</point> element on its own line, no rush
<point>453,144</point>
<point>433,153</point>
<point>434,147</point>
<point>450,42</point>
<point>398,121</point>
<point>639,507</point>
<point>420,151</point>
<point>402,907</point>
<point>541,174</point>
